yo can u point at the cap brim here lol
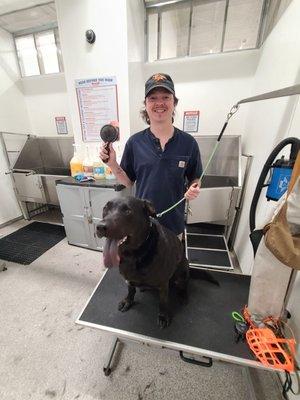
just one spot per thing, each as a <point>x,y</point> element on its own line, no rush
<point>160,85</point>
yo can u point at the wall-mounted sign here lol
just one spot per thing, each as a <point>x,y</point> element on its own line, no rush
<point>191,121</point>
<point>98,105</point>
<point>61,125</point>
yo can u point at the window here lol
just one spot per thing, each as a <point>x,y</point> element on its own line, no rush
<point>193,27</point>
<point>39,53</point>
<point>46,47</point>
<point>207,27</point>
<point>242,24</point>
<point>174,28</point>
<point>27,55</point>
<point>152,29</point>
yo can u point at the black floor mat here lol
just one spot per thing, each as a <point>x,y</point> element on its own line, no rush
<point>29,243</point>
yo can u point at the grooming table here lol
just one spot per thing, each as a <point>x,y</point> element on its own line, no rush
<point>202,327</point>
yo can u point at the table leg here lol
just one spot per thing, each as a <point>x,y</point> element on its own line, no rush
<point>107,365</point>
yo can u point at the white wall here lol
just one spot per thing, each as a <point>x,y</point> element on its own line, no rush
<point>13,113</point>
<point>135,30</point>
<point>136,96</point>
<point>13,118</point>
<point>106,57</point>
<point>270,121</point>
<point>46,98</point>
<point>136,57</point>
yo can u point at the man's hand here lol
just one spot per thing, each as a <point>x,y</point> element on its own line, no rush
<point>193,191</point>
<point>108,157</point>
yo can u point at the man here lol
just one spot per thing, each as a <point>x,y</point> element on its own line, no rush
<point>160,159</point>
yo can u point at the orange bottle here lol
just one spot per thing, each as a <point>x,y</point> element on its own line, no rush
<point>76,163</point>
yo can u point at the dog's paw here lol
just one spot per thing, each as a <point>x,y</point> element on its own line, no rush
<point>163,320</point>
<point>124,305</point>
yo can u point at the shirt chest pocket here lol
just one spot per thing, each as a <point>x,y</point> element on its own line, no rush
<point>176,166</point>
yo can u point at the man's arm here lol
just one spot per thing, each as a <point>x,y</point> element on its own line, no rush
<point>109,157</point>
<point>194,170</point>
<point>121,175</point>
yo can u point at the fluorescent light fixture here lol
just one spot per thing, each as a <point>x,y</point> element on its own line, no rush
<point>162,4</point>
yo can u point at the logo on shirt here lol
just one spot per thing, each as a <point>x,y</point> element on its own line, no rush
<point>181,164</point>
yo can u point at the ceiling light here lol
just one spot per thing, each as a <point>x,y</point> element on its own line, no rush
<point>162,4</point>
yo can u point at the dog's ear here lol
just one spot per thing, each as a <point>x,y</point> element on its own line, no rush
<point>149,208</point>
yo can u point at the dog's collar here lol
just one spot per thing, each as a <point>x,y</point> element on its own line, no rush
<point>145,243</point>
<point>145,252</point>
<point>149,233</point>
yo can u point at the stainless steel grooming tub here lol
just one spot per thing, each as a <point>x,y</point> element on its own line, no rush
<point>35,164</point>
<point>221,184</point>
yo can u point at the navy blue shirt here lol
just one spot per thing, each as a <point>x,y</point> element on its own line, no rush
<point>161,176</point>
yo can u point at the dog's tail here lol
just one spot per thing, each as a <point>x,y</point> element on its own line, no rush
<point>196,273</point>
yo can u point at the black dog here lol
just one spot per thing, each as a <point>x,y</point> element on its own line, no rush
<point>148,254</point>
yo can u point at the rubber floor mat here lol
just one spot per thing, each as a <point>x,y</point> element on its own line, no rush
<point>30,242</point>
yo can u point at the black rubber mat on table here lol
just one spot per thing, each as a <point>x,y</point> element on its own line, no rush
<point>30,242</point>
<point>205,322</point>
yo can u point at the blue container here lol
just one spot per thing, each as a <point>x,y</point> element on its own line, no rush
<point>280,179</point>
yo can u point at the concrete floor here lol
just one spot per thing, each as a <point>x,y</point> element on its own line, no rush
<point>45,355</point>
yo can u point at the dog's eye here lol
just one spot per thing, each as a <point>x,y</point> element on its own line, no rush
<point>126,210</point>
<point>106,209</point>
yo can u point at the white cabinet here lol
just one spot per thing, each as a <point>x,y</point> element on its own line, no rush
<point>82,207</point>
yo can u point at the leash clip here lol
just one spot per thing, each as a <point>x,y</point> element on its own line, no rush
<point>233,110</point>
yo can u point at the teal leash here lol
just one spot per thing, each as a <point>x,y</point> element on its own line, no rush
<point>180,201</point>
<point>229,115</point>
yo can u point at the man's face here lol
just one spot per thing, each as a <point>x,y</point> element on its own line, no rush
<point>160,105</point>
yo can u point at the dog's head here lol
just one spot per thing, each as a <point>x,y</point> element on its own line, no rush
<point>125,224</point>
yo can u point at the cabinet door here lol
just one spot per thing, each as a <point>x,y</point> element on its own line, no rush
<point>97,199</point>
<point>29,187</point>
<point>75,214</point>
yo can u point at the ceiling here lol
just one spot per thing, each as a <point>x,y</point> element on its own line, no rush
<point>19,15</point>
<point>7,6</point>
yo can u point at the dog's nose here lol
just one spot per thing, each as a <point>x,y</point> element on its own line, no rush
<point>101,229</point>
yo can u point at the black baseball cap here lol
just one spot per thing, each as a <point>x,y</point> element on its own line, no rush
<point>159,81</point>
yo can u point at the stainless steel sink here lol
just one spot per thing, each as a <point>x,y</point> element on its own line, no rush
<point>221,184</point>
<point>38,163</point>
